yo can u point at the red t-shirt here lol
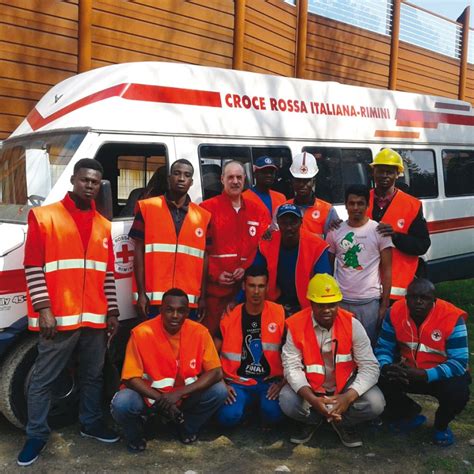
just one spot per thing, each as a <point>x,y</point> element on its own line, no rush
<point>34,247</point>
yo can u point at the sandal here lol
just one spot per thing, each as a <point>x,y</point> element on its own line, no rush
<point>137,445</point>
<point>184,436</point>
<point>443,438</point>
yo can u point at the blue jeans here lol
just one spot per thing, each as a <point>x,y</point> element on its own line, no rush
<point>53,356</point>
<point>270,412</point>
<point>129,410</point>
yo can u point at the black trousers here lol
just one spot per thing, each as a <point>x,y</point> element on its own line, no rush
<point>452,395</point>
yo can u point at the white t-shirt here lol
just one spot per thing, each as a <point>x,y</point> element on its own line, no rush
<point>357,251</point>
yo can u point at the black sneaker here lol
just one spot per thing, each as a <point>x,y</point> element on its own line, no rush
<point>303,433</point>
<point>31,451</point>
<point>348,435</point>
<point>100,433</point>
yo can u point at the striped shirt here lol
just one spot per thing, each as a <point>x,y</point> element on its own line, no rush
<point>457,351</point>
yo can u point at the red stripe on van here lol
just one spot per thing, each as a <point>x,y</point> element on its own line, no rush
<point>144,92</point>
<point>12,281</point>
<point>404,116</point>
<point>449,225</point>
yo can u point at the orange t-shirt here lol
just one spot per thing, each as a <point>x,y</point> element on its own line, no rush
<point>133,366</point>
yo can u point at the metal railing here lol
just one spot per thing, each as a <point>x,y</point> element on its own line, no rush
<point>417,26</point>
<point>431,32</point>
<point>372,15</point>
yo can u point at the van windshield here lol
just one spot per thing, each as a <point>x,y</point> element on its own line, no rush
<point>29,168</point>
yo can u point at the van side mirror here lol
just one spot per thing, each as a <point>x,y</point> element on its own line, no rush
<point>103,201</point>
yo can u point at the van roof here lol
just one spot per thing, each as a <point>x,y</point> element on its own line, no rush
<point>183,99</point>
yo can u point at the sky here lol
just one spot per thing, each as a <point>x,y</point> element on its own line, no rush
<point>448,8</point>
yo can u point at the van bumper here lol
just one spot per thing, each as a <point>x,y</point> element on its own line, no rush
<point>9,335</point>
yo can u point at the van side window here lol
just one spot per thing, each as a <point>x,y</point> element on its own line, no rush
<point>338,169</point>
<point>213,157</point>
<point>135,171</point>
<point>282,157</point>
<point>419,178</point>
<point>458,170</point>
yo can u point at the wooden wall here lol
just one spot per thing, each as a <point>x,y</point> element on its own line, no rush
<point>343,53</point>
<point>39,46</point>
<point>270,37</point>
<point>420,70</point>
<point>38,49</point>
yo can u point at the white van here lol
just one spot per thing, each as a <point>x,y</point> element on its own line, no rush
<point>138,118</point>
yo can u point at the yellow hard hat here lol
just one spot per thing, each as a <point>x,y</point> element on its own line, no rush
<point>323,288</point>
<point>388,157</point>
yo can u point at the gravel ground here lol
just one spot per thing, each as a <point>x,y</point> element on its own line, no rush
<point>249,449</point>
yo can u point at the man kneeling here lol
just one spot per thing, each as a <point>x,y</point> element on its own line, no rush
<point>330,367</point>
<point>171,367</point>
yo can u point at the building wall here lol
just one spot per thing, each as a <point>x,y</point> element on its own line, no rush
<point>39,46</point>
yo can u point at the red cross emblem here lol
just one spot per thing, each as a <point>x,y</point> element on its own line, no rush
<point>125,254</point>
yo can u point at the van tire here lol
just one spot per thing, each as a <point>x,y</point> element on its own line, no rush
<point>15,373</point>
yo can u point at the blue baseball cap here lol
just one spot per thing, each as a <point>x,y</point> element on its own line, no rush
<point>264,162</point>
<point>289,209</point>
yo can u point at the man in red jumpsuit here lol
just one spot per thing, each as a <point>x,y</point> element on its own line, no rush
<point>232,239</point>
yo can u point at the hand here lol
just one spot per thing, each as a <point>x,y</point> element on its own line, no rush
<point>112,327</point>
<point>143,304</point>
<point>415,375</point>
<point>335,224</point>
<point>172,397</point>
<point>238,274</point>
<point>231,395</point>
<point>318,404</point>
<point>274,390</point>
<point>395,373</point>
<point>47,323</point>
<point>226,279</point>
<point>201,309</point>
<point>267,235</point>
<point>230,306</point>
<point>386,230</point>
<point>168,409</point>
<point>338,404</point>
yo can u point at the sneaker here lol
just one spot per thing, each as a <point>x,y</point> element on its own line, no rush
<point>348,435</point>
<point>100,433</point>
<point>303,433</point>
<point>443,438</point>
<point>405,425</point>
<point>31,451</point>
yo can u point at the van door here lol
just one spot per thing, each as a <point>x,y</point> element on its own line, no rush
<point>137,167</point>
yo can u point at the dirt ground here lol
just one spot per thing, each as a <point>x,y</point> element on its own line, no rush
<point>249,450</point>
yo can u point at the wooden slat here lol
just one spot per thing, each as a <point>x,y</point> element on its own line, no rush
<point>38,74</point>
<point>13,106</point>
<point>272,36</point>
<point>272,66</point>
<point>38,57</point>
<point>270,51</point>
<point>55,8</point>
<point>8,123</point>
<point>261,14</point>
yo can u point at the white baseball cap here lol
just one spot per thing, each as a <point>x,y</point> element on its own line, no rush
<point>304,166</point>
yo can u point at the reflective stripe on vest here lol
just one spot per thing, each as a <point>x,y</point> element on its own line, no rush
<point>224,255</point>
<point>163,383</point>
<point>232,356</point>
<point>190,380</point>
<point>75,264</point>
<point>268,346</point>
<point>158,296</point>
<point>315,369</point>
<point>424,348</point>
<point>395,291</point>
<point>343,358</point>
<point>171,248</point>
<point>72,320</point>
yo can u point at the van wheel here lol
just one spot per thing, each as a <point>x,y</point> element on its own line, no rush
<point>15,374</point>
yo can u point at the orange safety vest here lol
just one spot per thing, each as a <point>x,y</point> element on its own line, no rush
<point>310,250</point>
<point>424,347</point>
<point>315,216</point>
<point>304,337</point>
<point>74,277</point>
<point>160,367</point>
<point>272,330</point>
<point>173,261</point>
<point>400,214</point>
<point>277,200</point>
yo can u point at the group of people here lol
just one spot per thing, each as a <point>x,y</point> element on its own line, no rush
<point>240,310</point>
